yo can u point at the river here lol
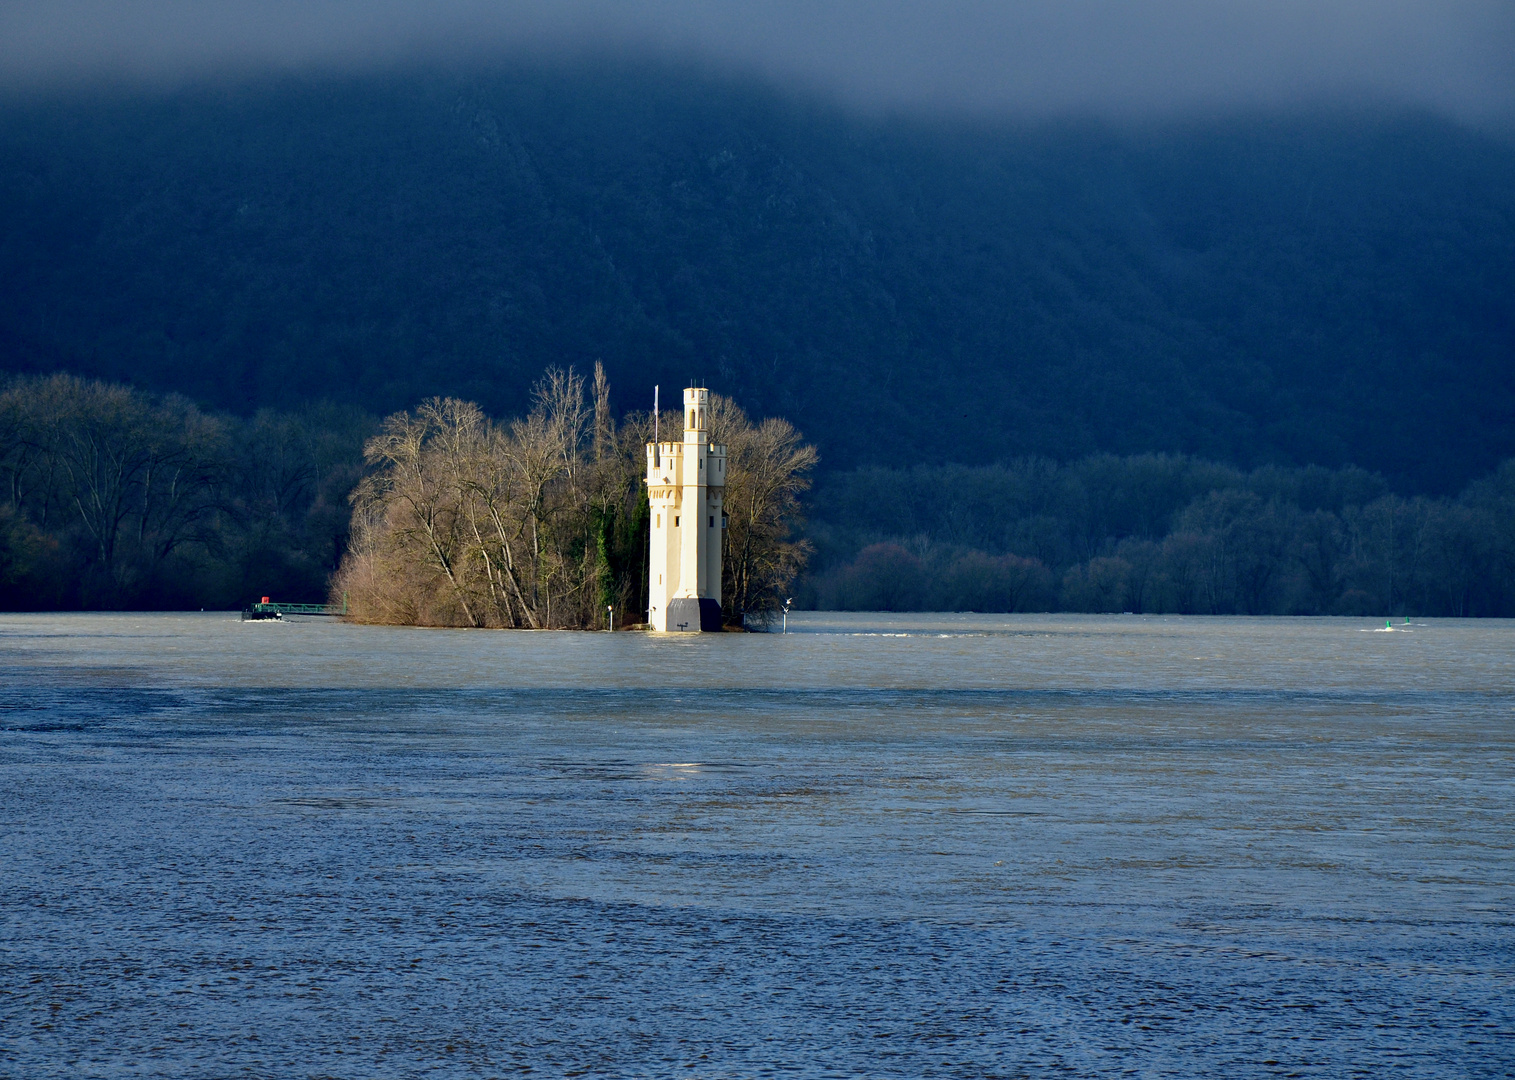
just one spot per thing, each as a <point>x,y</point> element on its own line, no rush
<point>879,845</point>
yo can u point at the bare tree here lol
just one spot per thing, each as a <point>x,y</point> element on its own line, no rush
<point>768,469</point>
<point>409,506</point>
<point>460,515</point>
<point>139,477</point>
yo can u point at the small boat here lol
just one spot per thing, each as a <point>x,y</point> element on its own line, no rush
<point>261,611</point>
<point>268,609</point>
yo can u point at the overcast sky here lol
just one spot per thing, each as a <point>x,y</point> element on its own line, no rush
<point>1029,57</point>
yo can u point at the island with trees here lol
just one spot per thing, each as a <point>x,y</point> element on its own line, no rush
<point>542,522</point>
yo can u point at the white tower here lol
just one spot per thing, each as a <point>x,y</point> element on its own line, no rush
<point>685,481</point>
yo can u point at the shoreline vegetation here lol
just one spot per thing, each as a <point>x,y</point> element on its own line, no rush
<point>1159,534</point>
<point>120,499</point>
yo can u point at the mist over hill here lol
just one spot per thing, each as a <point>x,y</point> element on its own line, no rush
<point>1302,289</point>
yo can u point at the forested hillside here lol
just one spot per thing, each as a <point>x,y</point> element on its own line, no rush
<point>1296,290</point>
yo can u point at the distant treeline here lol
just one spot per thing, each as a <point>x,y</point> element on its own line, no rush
<point>119,499</point>
<point>1157,533</point>
<point>115,498</point>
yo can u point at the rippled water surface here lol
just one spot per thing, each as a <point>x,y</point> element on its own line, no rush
<point>878,846</point>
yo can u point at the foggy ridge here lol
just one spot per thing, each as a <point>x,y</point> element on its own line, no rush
<point>1298,288</point>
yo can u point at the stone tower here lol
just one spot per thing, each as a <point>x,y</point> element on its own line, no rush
<point>685,482</point>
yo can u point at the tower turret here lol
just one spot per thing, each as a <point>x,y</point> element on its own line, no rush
<point>685,484</point>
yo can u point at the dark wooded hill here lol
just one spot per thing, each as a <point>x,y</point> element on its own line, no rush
<point>1284,289</point>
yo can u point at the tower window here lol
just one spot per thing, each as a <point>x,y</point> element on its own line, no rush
<point>660,521</point>
<point>675,523</point>
<point>712,521</point>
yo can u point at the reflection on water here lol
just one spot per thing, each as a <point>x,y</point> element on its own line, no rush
<point>879,845</point>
